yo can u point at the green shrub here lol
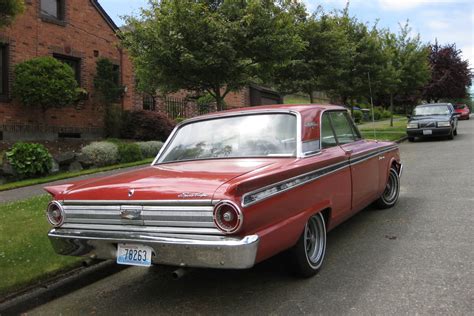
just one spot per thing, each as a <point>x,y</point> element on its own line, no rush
<point>44,82</point>
<point>29,160</point>
<point>146,125</point>
<point>377,114</point>
<point>386,114</point>
<point>113,120</point>
<point>129,152</point>
<point>358,116</point>
<point>205,103</point>
<point>101,153</point>
<point>149,149</point>
<point>106,82</point>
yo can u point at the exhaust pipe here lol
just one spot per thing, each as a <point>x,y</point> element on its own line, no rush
<point>179,273</point>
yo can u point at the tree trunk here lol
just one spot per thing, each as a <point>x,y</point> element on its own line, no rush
<point>219,99</point>
<point>391,109</point>
<point>311,97</point>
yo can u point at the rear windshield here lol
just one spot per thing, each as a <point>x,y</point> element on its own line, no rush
<point>256,135</point>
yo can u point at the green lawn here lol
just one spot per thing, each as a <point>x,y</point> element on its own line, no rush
<point>26,255</point>
<point>383,130</point>
<point>66,175</point>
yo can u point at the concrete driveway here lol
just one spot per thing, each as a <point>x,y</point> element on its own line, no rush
<point>417,258</point>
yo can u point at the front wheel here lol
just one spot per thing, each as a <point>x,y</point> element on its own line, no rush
<point>392,190</point>
<point>308,254</point>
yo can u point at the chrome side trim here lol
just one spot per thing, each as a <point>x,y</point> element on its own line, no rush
<point>285,185</point>
<point>291,183</point>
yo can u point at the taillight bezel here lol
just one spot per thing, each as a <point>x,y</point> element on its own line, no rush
<point>238,213</point>
<point>50,209</point>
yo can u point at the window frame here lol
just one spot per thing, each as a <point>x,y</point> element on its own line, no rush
<point>78,73</point>
<point>60,19</point>
<point>5,74</point>
<point>355,131</point>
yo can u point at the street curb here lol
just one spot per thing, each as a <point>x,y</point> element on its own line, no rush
<point>56,286</point>
<point>401,140</point>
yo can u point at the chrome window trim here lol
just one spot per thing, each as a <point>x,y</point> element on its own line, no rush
<point>353,127</point>
<point>316,174</point>
<point>298,136</point>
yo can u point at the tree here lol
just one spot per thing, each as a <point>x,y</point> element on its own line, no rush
<point>9,9</point>
<point>44,82</point>
<point>406,69</point>
<point>210,46</point>
<point>362,56</point>
<point>318,65</point>
<point>450,75</point>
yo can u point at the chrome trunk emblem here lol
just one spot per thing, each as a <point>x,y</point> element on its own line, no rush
<point>131,213</point>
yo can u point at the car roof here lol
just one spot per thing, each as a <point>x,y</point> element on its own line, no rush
<point>433,104</point>
<point>300,108</point>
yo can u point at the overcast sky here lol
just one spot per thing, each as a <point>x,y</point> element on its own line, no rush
<point>449,21</point>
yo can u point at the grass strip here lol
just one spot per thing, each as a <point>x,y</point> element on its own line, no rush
<point>66,175</point>
<point>26,255</point>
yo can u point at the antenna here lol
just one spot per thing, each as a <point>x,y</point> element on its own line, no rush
<point>371,103</point>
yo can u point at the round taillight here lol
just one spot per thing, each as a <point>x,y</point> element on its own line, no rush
<point>55,213</point>
<point>228,217</point>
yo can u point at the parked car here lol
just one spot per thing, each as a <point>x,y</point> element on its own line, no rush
<point>231,189</point>
<point>432,120</point>
<point>463,111</point>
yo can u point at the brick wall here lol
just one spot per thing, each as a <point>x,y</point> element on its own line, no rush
<point>85,34</point>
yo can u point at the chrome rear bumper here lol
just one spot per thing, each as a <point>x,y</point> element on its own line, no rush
<point>204,251</point>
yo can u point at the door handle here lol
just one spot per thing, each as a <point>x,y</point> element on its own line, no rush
<point>348,152</point>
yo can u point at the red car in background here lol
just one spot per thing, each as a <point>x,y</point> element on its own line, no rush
<point>463,110</point>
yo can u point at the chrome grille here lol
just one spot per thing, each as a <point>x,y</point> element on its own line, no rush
<point>154,216</point>
<point>427,124</point>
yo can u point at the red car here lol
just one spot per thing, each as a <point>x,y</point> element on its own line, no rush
<point>463,111</point>
<point>231,189</point>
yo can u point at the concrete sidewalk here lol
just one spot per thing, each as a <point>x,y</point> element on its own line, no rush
<point>27,192</point>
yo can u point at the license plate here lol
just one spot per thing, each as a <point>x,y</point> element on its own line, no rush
<point>134,255</point>
<point>427,132</point>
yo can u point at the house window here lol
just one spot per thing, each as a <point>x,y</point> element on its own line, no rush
<point>53,9</point>
<point>74,63</point>
<point>3,70</point>
<point>149,102</point>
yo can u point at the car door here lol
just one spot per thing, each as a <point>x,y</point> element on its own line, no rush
<point>337,185</point>
<point>364,162</point>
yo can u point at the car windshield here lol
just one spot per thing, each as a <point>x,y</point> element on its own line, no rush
<point>431,110</point>
<point>256,135</point>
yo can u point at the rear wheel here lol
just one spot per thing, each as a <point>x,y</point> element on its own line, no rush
<point>307,255</point>
<point>411,139</point>
<point>392,190</point>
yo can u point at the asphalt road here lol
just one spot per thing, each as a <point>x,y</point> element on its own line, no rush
<point>417,258</point>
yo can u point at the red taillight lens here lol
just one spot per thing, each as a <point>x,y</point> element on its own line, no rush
<point>55,213</point>
<point>228,217</point>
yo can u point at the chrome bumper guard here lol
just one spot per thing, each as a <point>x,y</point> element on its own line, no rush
<point>203,251</point>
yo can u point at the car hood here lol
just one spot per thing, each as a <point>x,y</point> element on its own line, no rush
<point>183,180</point>
<point>430,118</point>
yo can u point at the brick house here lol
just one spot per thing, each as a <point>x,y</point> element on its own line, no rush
<point>76,32</point>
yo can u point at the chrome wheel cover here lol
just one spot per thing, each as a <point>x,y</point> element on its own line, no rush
<point>315,240</point>
<point>392,189</point>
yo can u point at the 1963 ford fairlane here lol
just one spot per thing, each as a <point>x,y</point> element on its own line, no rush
<point>231,189</point>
